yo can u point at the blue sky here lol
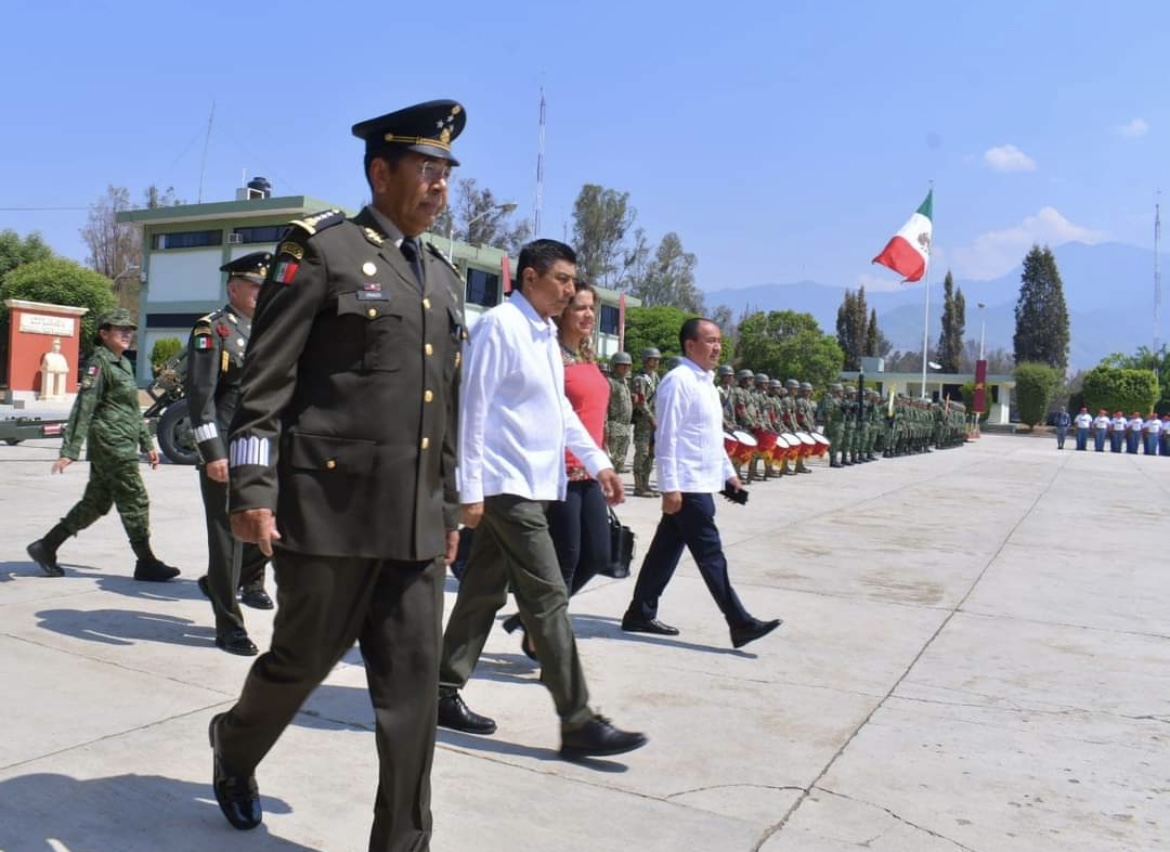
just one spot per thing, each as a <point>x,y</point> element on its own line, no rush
<point>782,141</point>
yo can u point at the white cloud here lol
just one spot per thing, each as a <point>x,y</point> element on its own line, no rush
<point>1133,130</point>
<point>1008,158</point>
<point>996,252</point>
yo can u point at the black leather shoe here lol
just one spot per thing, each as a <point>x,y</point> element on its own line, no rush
<point>45,557</point>
<point>599,738</point>
<point>237,642</point>
<point>238,795</point>
<point>652,625</point>
<point>154,571</point>
<point>456,715</point>
<point>753,630</point>
<point>204,587</point>
<point>256,599</point>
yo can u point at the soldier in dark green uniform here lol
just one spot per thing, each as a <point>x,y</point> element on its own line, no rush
<point>342,455</point>
<point>618,426</point>
<point>831,413</point>
<point>215,360</point>
<point>644,384</point>
<point>106,417</point>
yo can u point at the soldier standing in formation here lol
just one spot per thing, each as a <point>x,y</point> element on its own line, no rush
<point>642,395</point>
<point>342,455</point>
<point>831,414</point>
<point>107,418</point>
<point>215,361</point>
<point>619,417</point>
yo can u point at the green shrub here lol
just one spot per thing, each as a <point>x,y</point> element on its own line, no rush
<point>163,350</point>
<point>1035,385</point>
<point>1120,390</point>
<point>61,282</point>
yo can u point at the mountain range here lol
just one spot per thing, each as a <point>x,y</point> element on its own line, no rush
<point>1108,288</point>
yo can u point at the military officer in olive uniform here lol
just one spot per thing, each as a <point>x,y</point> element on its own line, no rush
<point>618,417</point>
<point>215,360</point>
<point>642,393</point>
<point>107,418</point>
<point>342,460</point>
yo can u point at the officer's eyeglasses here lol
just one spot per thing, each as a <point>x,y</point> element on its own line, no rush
<point>433,172</point>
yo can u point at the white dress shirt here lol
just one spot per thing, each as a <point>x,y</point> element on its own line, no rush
<point>515,421</point>
<point>1084,420</point>
<point>688,442</point>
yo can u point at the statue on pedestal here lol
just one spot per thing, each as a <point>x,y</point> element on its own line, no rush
<point>54,369</point>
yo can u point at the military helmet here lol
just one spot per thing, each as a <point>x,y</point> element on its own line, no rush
<point>650,352</point>
<point>726,370</point>
<point>761,378</point>
<point>116,317</point>
<point>850,389</point>
<point>792,383</point>
<point>806,386</point>
<point>621,358</point>
<point>836,386</point>
<point>775,383</point>
<point>744,374</point>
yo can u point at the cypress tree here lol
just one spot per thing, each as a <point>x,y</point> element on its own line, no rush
<point>1041,313</point>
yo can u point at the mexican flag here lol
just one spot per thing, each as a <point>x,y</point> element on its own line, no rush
<point>909,251</point>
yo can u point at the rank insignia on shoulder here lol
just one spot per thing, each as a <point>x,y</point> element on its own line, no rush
<point>319,221</point>
<point>202,341</point>
<point>292,249</point>
<point>446,261</point>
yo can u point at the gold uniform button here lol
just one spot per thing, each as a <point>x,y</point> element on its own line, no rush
<point>427,304</point>
<point>372,312</point>
<point>430,350</point>
<point>426,442</point>
<point>428,396</point>
<point>330,464</point>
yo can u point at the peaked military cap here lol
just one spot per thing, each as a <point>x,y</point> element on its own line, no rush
<point>252,267</point>
<point>118,317</point>
<point>427,129</point>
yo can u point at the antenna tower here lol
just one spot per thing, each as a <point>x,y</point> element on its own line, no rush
<point>203,160</point>
<point>536,208</point>
<point>1157,279</point>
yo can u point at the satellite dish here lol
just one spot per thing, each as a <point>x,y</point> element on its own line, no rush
<point>934,365</point>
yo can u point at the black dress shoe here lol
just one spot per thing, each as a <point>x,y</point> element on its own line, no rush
<point>45,557</point>
<point>256,599</point>
<point>753,630</point>
<point>204,587</point>
<point>237,642</point>
<point>456,715</point>
<point>652,625</point>
<point>513,623</point>
<point>154,571</point>
<point>238,795</point>
<point>599,738</point>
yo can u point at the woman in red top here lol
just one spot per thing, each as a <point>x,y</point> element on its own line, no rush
<point>579,524</point>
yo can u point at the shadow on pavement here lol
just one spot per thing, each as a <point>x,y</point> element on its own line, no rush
<point>596,626</point>
<point>125,812</point>
<point>125,627</point>
<point>493,744</point>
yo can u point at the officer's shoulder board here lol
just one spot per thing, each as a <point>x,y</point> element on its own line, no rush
<point>201,333</point>
<point>446,260</point>
<point>291,250</point>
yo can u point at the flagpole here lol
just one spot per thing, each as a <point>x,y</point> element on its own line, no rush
<point>926,304</point>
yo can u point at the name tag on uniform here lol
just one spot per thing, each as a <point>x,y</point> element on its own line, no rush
<point>372,296</point>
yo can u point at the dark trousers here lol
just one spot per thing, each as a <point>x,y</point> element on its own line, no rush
<point>394,610</point>
<point>1082,439</point>
<point>1099,440</point>
<point>692,527</point>
<point>230,562</point>
<point>512,548</point>
<point>579,526</point>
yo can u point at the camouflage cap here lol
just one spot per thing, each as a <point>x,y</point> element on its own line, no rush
<point>116,317</point>
<point>621,358</point>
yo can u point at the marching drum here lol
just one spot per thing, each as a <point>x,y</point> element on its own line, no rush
<point>822,446</point>
<point>767,443</point>
<point>746,446</point>
<point>807,444</point>
<point>730,444</point>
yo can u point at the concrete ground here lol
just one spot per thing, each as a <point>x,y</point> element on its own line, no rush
<point>975,656</point>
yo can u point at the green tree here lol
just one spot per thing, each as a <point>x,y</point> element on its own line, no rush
<point>163,350</point>
<point>954,322</point>
<point>61,282</point>
<point>1123,389</point>
<point>877,345</point>
<point>16,250</point>
<point>656,326</point>
<point>788,344</point>
<point>601,220</point>
<point>723,317</point>
<point>478,218</point>
<point>1041,314</point>
<point>852,334</point>
<point>1035,384</point>
<point>670,279</point>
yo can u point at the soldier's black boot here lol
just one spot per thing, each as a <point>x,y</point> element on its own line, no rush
<point>149,567</point>
<point>43,551</point>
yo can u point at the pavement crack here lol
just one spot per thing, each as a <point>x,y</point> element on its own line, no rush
<point>899,818</point>
<point>774,787</point>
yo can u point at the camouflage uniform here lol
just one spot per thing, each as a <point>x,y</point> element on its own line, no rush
<point>645,383</point>
<point>106,417</point>
<point>618,417</point>
<point>832,414</point>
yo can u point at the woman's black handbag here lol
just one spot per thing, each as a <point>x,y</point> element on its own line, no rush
<point>621,549</point>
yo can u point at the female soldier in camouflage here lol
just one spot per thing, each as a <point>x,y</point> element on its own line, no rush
<point>106,412</point>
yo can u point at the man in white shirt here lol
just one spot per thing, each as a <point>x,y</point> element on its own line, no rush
<point>1133,435</point>
<point>692,465</point>
<point>1084,422</point>
<point>1101,425</point>
<point>1117,432</point>
<point>515,424</point>
<point>1153,430</point>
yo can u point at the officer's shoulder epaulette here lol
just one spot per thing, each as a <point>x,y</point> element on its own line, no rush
<point>315,223</point>
<point>446,260</point>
